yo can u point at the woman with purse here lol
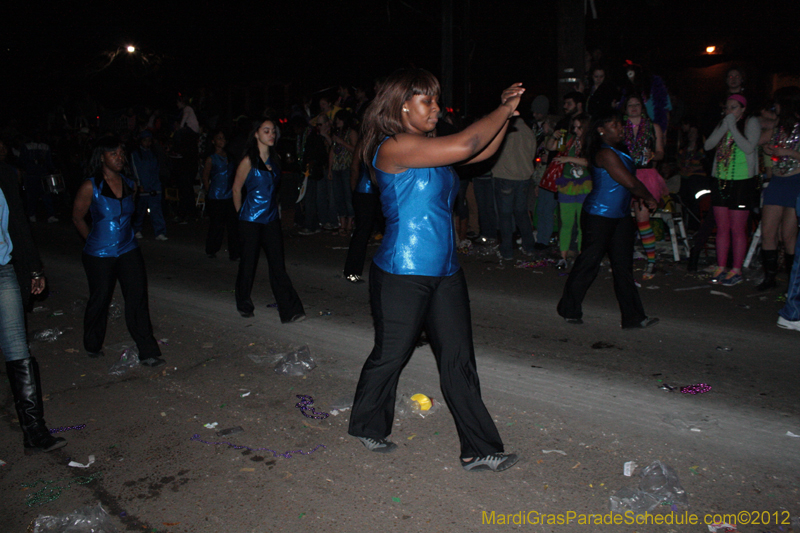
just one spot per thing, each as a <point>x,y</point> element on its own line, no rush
<point>735,188</point>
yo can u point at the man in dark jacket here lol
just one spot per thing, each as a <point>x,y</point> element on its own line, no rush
<point>21,275</point>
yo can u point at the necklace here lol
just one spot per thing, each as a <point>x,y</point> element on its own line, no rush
<point>640,141</point>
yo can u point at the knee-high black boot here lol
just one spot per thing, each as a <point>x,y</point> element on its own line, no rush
<point>24,377</point>
<point>770,260</point>
<point>789,260</point>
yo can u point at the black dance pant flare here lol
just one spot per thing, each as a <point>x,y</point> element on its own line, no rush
<point>367,207</point>
<point>603,235</point>
<point>103,273</point>
<point>401,306</point>
<point>222,215</point>
<point>268,237</point>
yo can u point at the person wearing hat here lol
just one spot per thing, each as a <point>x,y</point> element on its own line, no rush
<point>147,173</point>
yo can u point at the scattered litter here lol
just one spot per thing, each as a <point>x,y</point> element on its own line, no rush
<point>743,306</point>
<point>724,348</point>
<point>230,431</point>
<point>342,404</point>
<point>423,401</point>
<point>51,490</point>
<point>247,470</point>
<point>554,451</point>
<point>395,499</point>
<point>652,287</point>
<point>84,520</point>
<point>286,455</point>
<point>76,464</point>
<point>245,394</point>
<point>691,288</point>
<point>114,311</point>
<point>340,247</point>
<point>667,387</point>
<point>305,404</point>
<point>724,527</point>
<point>790,434</point>
<point>129,358</point>
<point>659,485</point>
<point>324,313</point>
<point>628,468</point>
<point>57,312</point>
<point>3,463</point>
<point>66,428</point>
<point>47,335</point>
<point>165,342</point>
<point>405,407</point>
<point>39,309</point>
<point>79,304</point>
<point>211,425</point>
<point>718,293</point>
<point>699,388</point>
<point>71,350</point>
<point>273,304</point>
<point>296,363</point>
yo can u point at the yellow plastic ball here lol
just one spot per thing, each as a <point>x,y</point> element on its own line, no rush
<point>423,401</point>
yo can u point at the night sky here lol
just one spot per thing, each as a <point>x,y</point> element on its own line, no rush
<point>52,49</point>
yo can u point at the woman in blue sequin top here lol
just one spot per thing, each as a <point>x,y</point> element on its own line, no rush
<point>415,280</point>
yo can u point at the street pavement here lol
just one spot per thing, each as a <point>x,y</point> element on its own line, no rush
<point>576,402</point>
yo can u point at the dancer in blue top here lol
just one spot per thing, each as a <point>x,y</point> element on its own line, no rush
<point>111,252</point>
<point>607,225</point>
<point>217,179</point>
<point>415,280</point>
<point>260,225</point>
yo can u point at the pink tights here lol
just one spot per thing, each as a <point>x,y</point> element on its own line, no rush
<point>731,225</point>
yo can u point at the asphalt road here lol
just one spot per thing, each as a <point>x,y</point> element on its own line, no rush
<point>576,402</point>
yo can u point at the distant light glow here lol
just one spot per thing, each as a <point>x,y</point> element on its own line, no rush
<point>131,49</point>
<point>711,49</point>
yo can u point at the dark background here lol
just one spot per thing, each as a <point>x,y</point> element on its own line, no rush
<point>55,52</point>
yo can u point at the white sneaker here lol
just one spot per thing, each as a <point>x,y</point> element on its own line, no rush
<point>139,235</point>
<point>788,324</point>
<point>161,237</point>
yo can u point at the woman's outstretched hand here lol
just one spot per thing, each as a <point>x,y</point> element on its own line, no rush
<point>511,96</point>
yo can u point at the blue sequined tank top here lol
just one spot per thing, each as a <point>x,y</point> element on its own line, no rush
<point>420,237</point>
<point>609,198</point>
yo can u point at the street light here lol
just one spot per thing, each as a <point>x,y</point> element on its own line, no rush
<point>131,49</point>
<point>711,49</point>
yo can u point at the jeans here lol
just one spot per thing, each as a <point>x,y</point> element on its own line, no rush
<point>791,311</point>
<point>487,213</point>
<point>401,307</point>
<point>342,194</point>
<point>603,235</point>
<point>12,316</point>
<point>512,206</point>
<point>153,203</point>
<point>545,209</point>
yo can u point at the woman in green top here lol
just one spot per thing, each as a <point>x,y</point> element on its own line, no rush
<point>573,185</point>
<point>735,189</point>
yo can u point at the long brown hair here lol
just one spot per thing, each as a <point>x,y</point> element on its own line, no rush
<point>383,115</point>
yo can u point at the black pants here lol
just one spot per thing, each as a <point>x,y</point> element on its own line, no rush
<point>367,207</point>
<point>603,235</point>
<point>103,273</point>
<point>255,237</point>
<point>401,306</point>
<point>222,215</point>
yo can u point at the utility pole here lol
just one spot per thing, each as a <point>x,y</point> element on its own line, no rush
<point>571,46</point>
<point>447,53</point>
